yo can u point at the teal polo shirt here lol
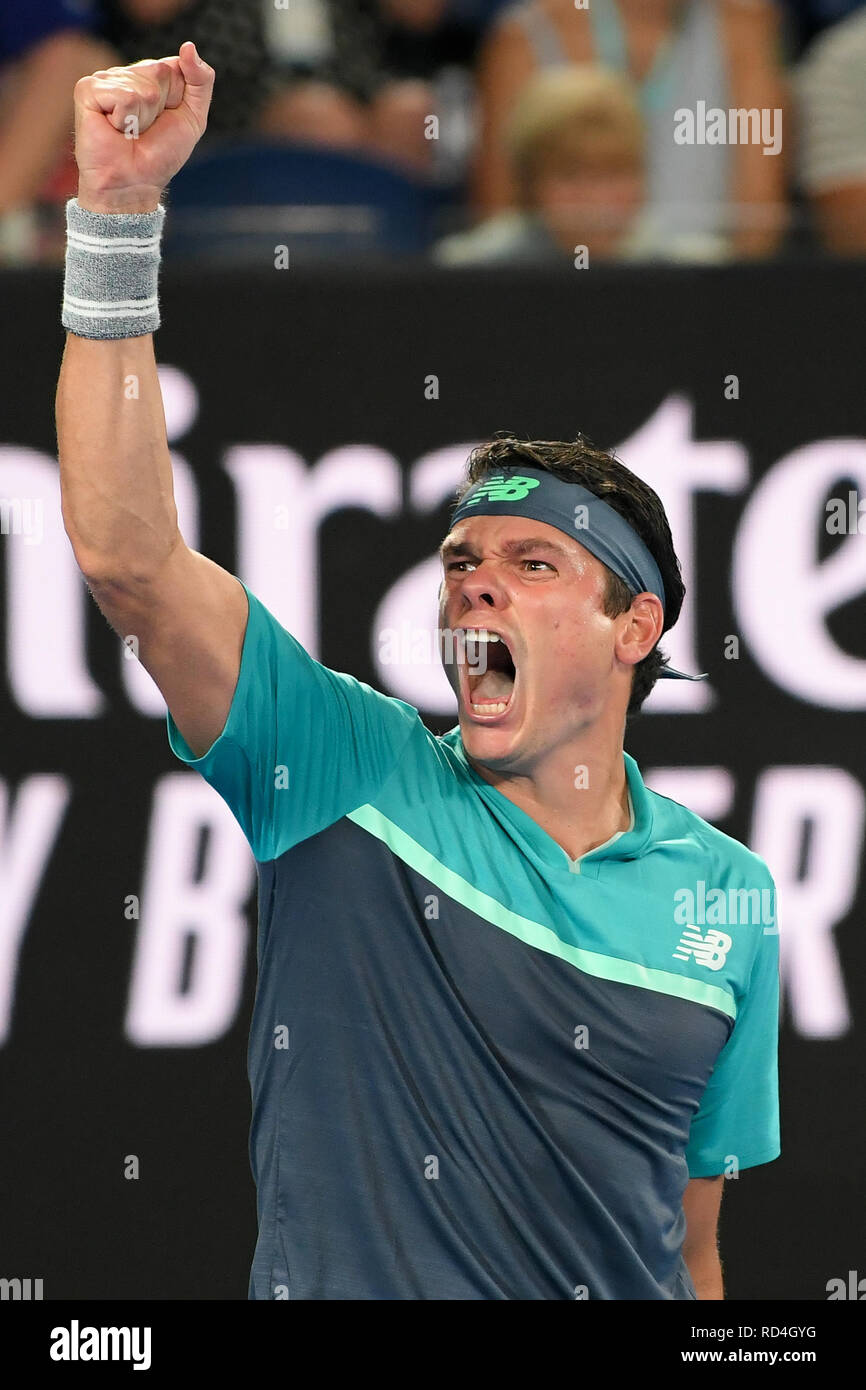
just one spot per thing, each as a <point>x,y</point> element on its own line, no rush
<point>479,1069</point>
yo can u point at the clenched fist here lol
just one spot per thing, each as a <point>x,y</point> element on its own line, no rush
<point>136,126</point>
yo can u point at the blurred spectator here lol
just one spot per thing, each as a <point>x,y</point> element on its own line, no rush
<point>229,35</point>
<point>807,18</point>
<point>830,87</point>
<point>694,54</point>
<point>398,62</point>
<point>576,146</point>
<point>44,49</point>
<point>339,90</point>
<point>348,74</point>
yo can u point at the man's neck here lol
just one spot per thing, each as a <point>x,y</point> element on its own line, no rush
<point>579,796</point>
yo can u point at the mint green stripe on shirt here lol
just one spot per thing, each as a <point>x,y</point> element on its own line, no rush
<point>535,933</point>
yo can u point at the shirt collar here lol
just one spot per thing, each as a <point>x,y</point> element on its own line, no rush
<point>625,844</point>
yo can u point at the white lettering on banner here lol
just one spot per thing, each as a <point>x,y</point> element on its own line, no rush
<point>410,609</point>
<point>46,602</point>
<point>708,791</point>
<point>437,475</point>
<point>178,910</point>
<point>179,401</point>
<point>27,836</point>
<point>783,594</point>
<point>412,603</point>
<point>813,897</point>
<point>282,505</point>
<point>665,453</point>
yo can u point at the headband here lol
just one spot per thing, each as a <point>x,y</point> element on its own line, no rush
<point>573,509</point>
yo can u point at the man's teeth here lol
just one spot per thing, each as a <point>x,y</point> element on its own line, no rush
<point>478,635</point>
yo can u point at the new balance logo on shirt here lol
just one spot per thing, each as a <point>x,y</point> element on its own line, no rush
<point>710,950</point>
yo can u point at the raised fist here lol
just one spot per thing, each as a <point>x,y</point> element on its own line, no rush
<point>136,126</point>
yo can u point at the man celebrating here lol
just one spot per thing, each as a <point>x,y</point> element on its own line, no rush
<point>501,1047</point>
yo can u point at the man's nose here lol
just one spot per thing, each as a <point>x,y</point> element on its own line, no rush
<point>481,587</point>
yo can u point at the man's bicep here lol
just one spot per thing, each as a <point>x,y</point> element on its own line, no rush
<point>186,626</point>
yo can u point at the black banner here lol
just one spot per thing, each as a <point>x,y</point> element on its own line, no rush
<point>319,424</point>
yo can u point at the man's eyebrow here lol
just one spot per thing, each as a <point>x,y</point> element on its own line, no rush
<point>518,547</point>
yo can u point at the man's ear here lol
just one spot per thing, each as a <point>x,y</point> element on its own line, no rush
<point>645,622</point>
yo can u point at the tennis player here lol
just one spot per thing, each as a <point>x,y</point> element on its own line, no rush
<point>516,1015</point>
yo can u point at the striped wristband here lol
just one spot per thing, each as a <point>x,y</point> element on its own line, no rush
<point>112,266</point>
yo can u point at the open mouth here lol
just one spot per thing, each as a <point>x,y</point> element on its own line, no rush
<point>490,672</point>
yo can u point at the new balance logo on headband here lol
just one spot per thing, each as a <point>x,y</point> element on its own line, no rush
<point>498,488</point>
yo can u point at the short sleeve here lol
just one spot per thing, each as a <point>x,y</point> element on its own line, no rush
<point>302,745</point>
<point>738,1116</point>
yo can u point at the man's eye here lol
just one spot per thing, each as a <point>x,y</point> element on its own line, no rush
<point>461,564</point>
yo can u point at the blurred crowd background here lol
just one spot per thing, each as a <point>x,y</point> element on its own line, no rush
<point>466,131</point>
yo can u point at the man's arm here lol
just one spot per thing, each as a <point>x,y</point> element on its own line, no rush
<point>701,1202</point>
<point>187,614</point>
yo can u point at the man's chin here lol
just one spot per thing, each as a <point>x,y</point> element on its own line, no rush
<point>492,745</point>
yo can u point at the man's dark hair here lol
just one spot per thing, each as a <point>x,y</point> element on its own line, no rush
<point>601,473</point>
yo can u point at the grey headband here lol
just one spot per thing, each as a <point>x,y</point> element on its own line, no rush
<point>573,509</point>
